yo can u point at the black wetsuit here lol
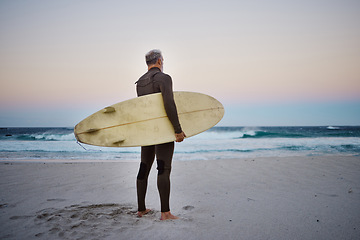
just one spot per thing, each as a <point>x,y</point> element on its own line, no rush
<point>154,81</point>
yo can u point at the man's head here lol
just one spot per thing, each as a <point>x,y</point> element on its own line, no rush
<point>154,58</point>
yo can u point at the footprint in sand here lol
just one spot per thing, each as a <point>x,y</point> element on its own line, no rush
<point>56,200</point>
<point>188,208</point>
<point>20,217</point>
<point>82,220</point>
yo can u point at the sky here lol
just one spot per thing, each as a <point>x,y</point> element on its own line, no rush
<point>271,63</point>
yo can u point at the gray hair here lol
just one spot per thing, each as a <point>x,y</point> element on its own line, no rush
<point>152,56</point>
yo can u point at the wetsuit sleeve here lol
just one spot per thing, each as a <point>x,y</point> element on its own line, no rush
<point>169,103</point>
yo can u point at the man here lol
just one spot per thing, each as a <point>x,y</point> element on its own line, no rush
<point>155,81</point>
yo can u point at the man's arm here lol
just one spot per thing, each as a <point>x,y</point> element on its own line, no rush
<point>170,107</point>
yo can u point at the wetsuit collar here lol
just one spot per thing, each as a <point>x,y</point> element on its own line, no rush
<point>154,69</point>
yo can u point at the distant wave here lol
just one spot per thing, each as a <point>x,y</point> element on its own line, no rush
<point>37,134</point>
<point>265,134</point>
<point>283,132</point>
<point>45,137</point>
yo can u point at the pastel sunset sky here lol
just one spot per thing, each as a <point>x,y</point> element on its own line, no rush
<point>271,63</point>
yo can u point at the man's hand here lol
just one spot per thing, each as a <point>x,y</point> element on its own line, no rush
<point>180,136</point>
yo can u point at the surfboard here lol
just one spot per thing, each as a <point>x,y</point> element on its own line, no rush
<point>142,121</point>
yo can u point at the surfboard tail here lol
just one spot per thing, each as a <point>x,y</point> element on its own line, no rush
<point>75,133</point>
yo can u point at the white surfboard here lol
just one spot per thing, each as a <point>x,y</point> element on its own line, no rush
<point>142,121</point>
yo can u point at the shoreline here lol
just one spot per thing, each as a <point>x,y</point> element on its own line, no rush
<point>316,197</point>
<point>65,160</point>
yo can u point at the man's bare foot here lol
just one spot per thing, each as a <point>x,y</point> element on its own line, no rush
<point>142,213</point>
<point>167,216</point>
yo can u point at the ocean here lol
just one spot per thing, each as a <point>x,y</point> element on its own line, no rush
<point>216,143</point>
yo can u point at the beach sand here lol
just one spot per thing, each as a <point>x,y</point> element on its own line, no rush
<point>258,198</point>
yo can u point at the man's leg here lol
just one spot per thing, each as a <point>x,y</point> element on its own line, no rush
<point>147,159</point>
<point>164,154</point>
